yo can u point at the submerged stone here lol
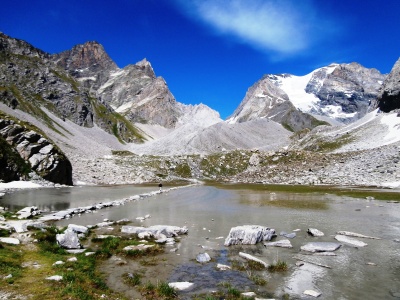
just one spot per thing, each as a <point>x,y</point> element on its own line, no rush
<point>320,246</point>
<point>350,241</point>
<point>281,243</point>
<point>203,258</point>
<point>253,258</point>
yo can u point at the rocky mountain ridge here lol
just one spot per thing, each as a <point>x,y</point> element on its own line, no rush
<point>338,93</point>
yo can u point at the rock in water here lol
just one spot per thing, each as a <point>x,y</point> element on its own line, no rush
<point>203,258</point>
<point>350,241</point>
<point>354,234</point>
<point>312,293</point>
<point>249,235</point>
<point>251,257</point>
<point>315,232</point>
<point>320,246</point>
<point>281,243</point>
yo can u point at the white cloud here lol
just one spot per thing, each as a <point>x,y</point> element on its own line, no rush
<point>284,26</point>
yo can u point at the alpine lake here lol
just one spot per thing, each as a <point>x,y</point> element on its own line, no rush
<point>210,210</point>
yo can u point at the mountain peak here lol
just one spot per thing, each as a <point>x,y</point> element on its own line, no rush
<point>88,55</point>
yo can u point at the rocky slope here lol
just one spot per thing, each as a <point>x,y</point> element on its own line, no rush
<point>31,81</point>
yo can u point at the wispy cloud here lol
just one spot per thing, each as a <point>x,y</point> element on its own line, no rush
<point>284,27</point>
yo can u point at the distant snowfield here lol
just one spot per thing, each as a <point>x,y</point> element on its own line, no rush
<point>295,88</point>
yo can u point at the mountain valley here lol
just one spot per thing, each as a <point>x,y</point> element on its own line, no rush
<point>337,125</point>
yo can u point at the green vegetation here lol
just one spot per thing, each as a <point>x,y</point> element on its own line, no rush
<point>183,170</point>
<point>10,263</point>
<point>322,145</point>
<point>32,105</point>
<point>224,164</point>
<point>279,266</point>
<point>132,279</point>
<point>120,126</point>
<point>287,126</point>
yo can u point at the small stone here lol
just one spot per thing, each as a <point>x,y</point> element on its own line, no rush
<point>181,285</point>
<point>315,232</point>
<point>203,258</point>
<point>72,259</point>
<point>55,278</point>
<point>312,293</point>
<point>59,262</point>
<point>248,294</point>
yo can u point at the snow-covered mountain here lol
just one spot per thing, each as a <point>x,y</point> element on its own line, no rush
<point>336,93</point>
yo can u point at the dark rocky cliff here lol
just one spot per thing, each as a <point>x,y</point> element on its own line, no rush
<point>389,98</point>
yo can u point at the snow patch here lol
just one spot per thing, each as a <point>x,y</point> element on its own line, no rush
<point>19,185</point>
<point>392,121</point>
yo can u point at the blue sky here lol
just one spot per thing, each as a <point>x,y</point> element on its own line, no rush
<point>212,51</point>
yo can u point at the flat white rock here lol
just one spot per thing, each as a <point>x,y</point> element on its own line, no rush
<point>8,240</point>
<point>312,293</point>
<point>251,257</point>
<point>55,278</point>
<point>354,234</point>
<point>350,241</point>
<point>184,285</point>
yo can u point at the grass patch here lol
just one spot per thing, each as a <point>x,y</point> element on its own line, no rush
<point>279,266</point>
<point>159,291</point>
<point>122,153</point>
<point>132,279</point>
<point>10,262</point>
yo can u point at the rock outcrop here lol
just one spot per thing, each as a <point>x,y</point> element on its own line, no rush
<point>42,156</point>
<point>389,98</point>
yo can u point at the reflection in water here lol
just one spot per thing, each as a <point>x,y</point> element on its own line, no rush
<point>55,199</point>
<point>288,200</point>
<point>210,212</point>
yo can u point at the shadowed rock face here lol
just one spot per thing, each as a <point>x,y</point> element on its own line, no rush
<point>42,156</point>
<point>389,99</point>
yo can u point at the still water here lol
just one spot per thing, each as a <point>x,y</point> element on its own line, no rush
<point>371,272</point>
